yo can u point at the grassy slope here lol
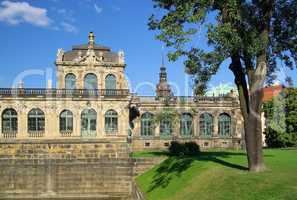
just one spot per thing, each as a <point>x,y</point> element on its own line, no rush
<point>222,175</point>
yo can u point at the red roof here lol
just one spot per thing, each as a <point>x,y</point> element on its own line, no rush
<point>271,91</point>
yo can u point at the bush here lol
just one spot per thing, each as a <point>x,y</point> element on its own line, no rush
<point>192,148</point>
<point>277,139</point>
<point>180,149</point>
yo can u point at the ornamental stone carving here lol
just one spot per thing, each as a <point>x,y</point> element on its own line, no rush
<point>60,55</point>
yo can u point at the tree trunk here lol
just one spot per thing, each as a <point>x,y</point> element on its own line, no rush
<point>253,140</point>
<point>251,108</point>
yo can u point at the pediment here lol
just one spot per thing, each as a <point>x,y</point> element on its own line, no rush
<point>90,58</point>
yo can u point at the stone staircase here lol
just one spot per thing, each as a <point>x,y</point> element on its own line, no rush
<point>66,170</point>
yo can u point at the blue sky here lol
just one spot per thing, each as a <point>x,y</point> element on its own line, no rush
<point>33,30</point>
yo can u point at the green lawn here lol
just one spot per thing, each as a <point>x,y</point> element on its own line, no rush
<point>222,175</point>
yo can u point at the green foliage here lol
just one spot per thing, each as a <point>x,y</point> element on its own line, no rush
<point>167,113</point>
<point>181,149</point>
<point>281,120</point>
<point>243,29</point>
<point>221,175</point>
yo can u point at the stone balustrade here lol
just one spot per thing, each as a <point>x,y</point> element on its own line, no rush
<point>61,93</point>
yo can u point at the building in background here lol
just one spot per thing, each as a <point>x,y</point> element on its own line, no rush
<point>92,101</point>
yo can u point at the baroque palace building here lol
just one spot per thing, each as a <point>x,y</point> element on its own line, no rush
<point>93,101</point>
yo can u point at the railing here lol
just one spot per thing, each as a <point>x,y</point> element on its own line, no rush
<point>186,99</point>
<point>9,134</point>
<point>66,133</point>
<point>43,92</point>
<point>36,134</point>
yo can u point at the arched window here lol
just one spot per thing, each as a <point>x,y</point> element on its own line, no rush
<point>110,82</point>
<point>66,121</point>
<point>90,82</point>
<point>9,121</point>
<point>88,122</point>
<point>36,120</point>
<point>147,124</point>
<point>206,125</point>
<point>224,125</point>
<point>111,121</point>
<point>70,81</point>
<point>165,127</point>
<point>186,123</point>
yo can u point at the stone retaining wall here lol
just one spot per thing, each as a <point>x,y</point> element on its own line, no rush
<point>56,170</point>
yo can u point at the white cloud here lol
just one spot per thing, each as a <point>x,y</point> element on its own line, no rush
<point>15,13</point>
<point>69,27</point>
<point>98,9</point>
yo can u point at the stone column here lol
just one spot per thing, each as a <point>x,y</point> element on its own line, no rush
<point>195,125</point>
<point>216,125</point>
<point>22,125</point>
<point>157,130</point>
<point>77,123</point>
<point>137,127</point>
<point>176,129</point>
<point>80,80</point>
<point>100,123</point>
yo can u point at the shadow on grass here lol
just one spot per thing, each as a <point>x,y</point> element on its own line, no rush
<point>175,165</point>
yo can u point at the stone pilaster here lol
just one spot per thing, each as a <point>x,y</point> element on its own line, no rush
<point>216,126</point>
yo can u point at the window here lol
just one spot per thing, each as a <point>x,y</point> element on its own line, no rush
<point>224,125</point>
<point>70,81</point>
<point>66,121</point>
<point>206,125</point>
<point>147,125</point>
<point>36,120</point>
<point>88,122</point>
<point>186,124</point>
<point>111,121</point>
<point>90,82</point>
<point>9,121</point>
<point>165,127</point>
<point>110,82</point>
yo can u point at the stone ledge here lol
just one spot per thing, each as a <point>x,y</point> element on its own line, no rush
<point>63,141</point>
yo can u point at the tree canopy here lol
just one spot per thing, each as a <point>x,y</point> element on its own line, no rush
<point>256,35</point>
<point>237,30</point>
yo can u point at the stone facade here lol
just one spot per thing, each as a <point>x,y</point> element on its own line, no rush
<point>106,91</point>
<point>74,141</point>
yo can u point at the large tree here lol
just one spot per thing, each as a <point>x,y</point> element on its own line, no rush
<point>256,36</point>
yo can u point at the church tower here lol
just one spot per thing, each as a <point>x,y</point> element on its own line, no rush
<point>163,88</point>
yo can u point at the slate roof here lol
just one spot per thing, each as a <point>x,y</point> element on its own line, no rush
<point>81,50</point>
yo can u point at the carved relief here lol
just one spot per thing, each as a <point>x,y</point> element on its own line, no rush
<point>60,55</point>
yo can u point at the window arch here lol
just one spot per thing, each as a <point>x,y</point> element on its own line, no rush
<point>90,82</point>
<point>88,122</point>
<point>206,124</point>
<point>36,120</point>
<point>186,124</point>
<point>111,121</point>
<point>147,125</point>
<point>110,82</point>
<point>9,121</point>
<point>66,121</point>
<point>70,81</point>
<point>166,128</point>
<point>224,125</point>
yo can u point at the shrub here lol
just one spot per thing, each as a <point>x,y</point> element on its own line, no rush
<point>192,148</point>
<point>180,149</point>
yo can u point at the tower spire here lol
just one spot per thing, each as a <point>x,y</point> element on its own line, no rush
<point>91,40</point>
<point>163,88</point>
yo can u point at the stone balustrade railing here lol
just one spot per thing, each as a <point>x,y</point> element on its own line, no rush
<point>43,92</point>
<point>185,99</point>
<point>66,133</point>
<point>36,134</point>
<point>10,134</point>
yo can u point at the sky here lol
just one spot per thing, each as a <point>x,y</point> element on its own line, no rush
<point>33,30</point>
